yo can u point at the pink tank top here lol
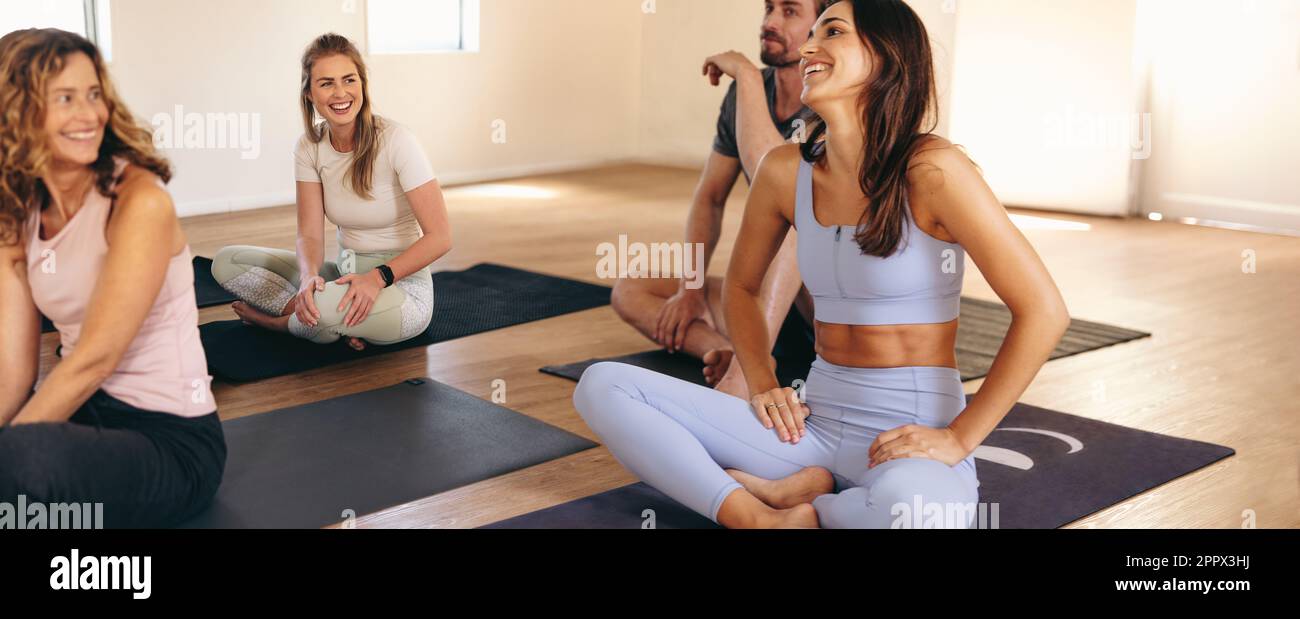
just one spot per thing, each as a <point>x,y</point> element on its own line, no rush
<point>164,369</point>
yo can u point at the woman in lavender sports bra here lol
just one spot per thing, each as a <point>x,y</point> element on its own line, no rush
<point>89,238</point>
<point>886,212</point>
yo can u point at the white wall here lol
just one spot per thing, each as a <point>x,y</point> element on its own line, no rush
<point>564,75</point>
<point>1042,95</point>
<point>1182,107</point>
<point>577,83</point>
<point>680,107</point>
<point>228,57</point>
<point>586,82</point>
<point>1225,95</point>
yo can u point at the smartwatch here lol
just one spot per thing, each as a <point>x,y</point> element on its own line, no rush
<point>386,273</point>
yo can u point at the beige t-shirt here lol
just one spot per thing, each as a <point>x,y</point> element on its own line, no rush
<point>384,223</point>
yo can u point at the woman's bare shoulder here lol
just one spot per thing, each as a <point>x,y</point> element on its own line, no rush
<point>779,166</point>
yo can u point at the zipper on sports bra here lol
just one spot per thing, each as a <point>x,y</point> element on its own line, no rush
<point>836,260</point>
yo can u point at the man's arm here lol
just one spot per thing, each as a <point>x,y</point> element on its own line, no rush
<point>756,134</point>
<point>704,223</point>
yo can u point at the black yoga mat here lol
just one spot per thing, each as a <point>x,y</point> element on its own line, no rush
<point>1041,468</point>
<point>310,466</point>
<point>980,333</point>
<point>483,298</point>
<point>207,292</point>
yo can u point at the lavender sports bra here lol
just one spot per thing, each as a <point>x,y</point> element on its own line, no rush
<point>919,284</point>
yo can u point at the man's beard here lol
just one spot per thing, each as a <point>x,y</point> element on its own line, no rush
<point>777,59</point>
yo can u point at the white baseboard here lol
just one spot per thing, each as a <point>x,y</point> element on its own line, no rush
<point>230,205</point>
<point>452,179</point>
<point>192,208</point>
<point>1251,214</point>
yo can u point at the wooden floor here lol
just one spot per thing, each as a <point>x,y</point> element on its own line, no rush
<point>1222,365</point>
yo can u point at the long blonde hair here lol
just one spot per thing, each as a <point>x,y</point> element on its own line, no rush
<point>366,135</point>
<point>29,59</point>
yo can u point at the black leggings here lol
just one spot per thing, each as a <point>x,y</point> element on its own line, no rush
<point>148,469</point>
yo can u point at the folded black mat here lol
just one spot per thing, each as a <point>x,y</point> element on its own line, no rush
<point>313,465</point>
<point>1041,469</point>
<point>207,292</point>
<point>483,298</point>
<point>980,333</point>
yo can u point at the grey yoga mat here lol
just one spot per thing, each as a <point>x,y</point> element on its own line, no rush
<point>980,333</point>
<point>310,466</point>
<point>1042,469</point>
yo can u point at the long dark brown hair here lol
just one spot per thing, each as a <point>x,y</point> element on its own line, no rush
<point>29,59</point>
<point>366,134</point>
<point>899,110</point>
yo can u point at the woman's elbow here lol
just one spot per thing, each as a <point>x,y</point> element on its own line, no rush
<point>1057,316</point>
<point>18,382</point>
<point>441,247</point>
<point>92,368</point>
<point>733,291</point>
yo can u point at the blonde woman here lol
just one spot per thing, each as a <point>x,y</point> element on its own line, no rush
<point>371,178</point>
<point>89,238</point>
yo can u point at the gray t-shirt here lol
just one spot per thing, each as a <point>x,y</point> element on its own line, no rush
<point>724,143</point>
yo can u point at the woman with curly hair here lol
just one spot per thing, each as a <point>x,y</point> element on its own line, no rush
<point>89,237</point>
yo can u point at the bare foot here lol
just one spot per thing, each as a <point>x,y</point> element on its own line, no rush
<point>357,344</point>
<point>716,364</point>
<point>733,383</point>
<point>742,510</point>
<point>797,517</point>
<point>795,490</point>
<point>252,316</point>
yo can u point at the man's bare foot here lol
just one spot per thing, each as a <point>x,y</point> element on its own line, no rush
<point>795,490</point>
<point>733,383</point>
<point>252,316</point>
<point>357,343</point>
<point>716,364</point>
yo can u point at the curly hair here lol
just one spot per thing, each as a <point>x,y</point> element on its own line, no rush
<point>29,59</point>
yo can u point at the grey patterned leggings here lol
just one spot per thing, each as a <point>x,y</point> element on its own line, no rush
<point>268,279</point>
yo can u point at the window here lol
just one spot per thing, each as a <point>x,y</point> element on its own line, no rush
<point>88,18</point>
<point>422,26</point>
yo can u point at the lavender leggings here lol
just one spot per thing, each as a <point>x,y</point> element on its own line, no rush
<point>678,437</point>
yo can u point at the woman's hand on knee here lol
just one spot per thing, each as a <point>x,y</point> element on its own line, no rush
<point>305,308</point>
<point>781,410</point>
<point>917,441</point>
<point>360,298</point>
